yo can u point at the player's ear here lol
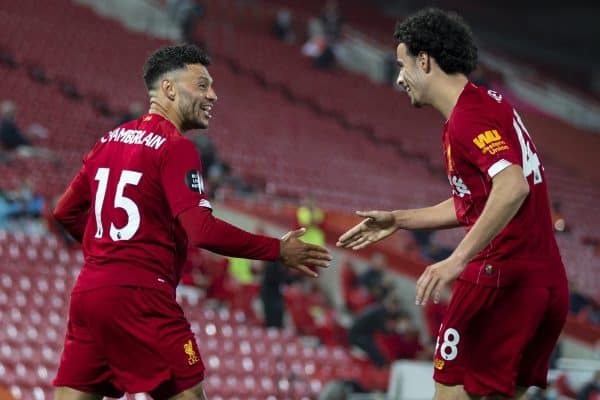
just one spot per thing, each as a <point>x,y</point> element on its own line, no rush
<point>167,86</point>
<point>424,61</point>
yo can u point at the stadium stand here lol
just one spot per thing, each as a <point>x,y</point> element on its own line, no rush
<point>380,111</point>
<point>39,271</point>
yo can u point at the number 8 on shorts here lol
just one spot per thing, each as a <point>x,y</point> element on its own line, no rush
<point>449,349</point>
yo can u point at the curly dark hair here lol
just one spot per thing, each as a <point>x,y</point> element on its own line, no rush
<point>443,35</point>
<point>171,58</point>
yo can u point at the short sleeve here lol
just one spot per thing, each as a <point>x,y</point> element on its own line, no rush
<point>181,176</point>
<point>485,142</point>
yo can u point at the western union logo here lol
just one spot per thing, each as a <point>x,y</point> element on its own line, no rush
<point>486,138</point>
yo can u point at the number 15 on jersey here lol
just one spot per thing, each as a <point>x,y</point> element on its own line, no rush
<point>120,201</point>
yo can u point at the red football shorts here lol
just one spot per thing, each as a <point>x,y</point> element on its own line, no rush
<point>128,339</point>
<point>494,339</point>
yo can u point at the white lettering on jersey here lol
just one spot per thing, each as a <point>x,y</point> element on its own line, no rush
<point>134,136</point>
<point>458,186</point>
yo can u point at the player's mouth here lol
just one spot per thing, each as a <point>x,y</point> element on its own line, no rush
<point>206,108</point>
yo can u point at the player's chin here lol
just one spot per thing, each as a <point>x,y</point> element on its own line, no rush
<point>202,123</point>
<point>415,102</point>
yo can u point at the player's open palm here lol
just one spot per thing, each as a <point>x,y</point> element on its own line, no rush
<point>377,225</point>
<point>301,256</point>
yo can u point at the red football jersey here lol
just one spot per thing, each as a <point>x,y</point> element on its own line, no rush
<point>483,136</point>
<point>136,180</point>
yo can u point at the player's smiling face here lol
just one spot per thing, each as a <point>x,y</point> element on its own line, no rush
<point>411,76</point>
<point>195,97</point>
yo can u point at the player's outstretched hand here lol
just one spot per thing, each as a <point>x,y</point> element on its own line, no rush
<point>377,225</point>
<point>435,277</point>
<point>299,255</point>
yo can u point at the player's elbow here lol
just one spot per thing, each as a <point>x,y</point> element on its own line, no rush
<point>60,214</point>
<point>196,238</point>
<point>521,190</point>
<point>197,223</point>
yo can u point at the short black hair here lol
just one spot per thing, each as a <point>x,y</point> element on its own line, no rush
<point>443,35</point>
<point>171,58</point>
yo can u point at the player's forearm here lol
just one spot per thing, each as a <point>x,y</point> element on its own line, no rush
<point>506,197</point>
<point>440,216</point>
<point>206,231</point>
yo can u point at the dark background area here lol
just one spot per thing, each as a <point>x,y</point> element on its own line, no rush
<point>562,38</point>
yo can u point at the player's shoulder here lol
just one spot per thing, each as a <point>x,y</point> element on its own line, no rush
<point>479,106</point>
<point>479,99</point>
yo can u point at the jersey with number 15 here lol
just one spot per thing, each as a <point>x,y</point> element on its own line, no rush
<point>483,136</point>
<point>136,180</point>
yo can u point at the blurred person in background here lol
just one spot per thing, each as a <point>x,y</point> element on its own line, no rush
<point>590,313</point>
<point>136,204</point>
<point>356,296</point>
<point>403,341</point>
<point>207,151</point>
<point>375,279</point>
<point>318,47</point>
<point>244,280</point>
<point>332,21</point>
<point>577,300</point>
<point>30,204</point>
<point>311,217</point>
<point>14,141</point>
<point>18,206</point>
<point>429,248</point>
<point>591,390</point>
<point>11,135</point>
<point>283,28</point>
<point>271,295</point>
<point>377,318</point>
<point>312,312</point>
<point>499,191</point>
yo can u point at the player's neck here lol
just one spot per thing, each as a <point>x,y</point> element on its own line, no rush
<point>450,88</point>
<point>168,114</point>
